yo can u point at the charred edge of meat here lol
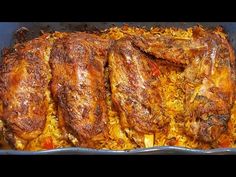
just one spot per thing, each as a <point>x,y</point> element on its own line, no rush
<point>152,57</point>
<point>21,35</point>
<point>215,126</point>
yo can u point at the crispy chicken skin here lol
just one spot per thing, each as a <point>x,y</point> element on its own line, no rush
<point>78,86</point>
<point>24,78</point>
<point>134,87</point>
<point>176,50</point>
<point>209,87</point>
<point>209,77</point>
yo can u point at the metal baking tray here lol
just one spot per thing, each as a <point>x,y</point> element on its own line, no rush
<point>7,31</point>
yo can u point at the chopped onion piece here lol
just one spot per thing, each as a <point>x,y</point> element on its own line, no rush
<point>149,140</point>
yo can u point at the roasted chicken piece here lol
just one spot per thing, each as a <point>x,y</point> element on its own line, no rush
<point>78,87</point>
<point>209,78</point>
<point>134,87</point>
<point>24,79</point>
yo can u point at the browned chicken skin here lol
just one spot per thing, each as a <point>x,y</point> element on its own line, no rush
<point>134,87</point>
<point>24,78</point>
<point>209,78</point>
<point>78,86</point>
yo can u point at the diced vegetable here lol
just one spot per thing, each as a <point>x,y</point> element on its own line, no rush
<point>48,143</point>
<point>149,140</point>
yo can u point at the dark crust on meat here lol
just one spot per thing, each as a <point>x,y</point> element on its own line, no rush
<point>180,51</point>
<point>135,88</point>
<point>78,85</point>
<point>24,78</point>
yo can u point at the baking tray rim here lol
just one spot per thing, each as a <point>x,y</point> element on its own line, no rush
<point>157,150</point>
